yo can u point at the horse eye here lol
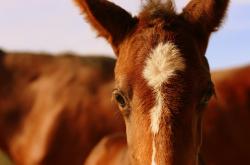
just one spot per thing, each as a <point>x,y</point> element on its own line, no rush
<point>120,98</point>
<point>207,96</point>
<point>205,99</point>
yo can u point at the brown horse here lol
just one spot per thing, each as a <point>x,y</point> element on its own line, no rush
<point>162,78</point>
<point>46,107</point>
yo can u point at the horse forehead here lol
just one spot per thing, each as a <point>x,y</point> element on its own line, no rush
<point>155,64</point>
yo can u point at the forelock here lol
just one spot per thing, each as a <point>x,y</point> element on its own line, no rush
<point>157,8</point>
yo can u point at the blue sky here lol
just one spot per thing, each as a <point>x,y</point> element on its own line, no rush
<point>57,26</point>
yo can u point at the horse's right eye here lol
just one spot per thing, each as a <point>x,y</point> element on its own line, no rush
<point>121,99</point>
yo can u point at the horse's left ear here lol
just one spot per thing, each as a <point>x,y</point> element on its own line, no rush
<point>109,20</point>
<point>206,14</point>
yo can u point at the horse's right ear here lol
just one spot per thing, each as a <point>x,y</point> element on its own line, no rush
<point>110,21</point>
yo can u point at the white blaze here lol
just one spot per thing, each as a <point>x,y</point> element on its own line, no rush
<point>162,64</point>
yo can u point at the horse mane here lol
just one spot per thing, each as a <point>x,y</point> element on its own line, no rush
<point>157,8</point>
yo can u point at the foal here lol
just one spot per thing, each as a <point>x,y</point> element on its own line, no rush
<point>162,76</point>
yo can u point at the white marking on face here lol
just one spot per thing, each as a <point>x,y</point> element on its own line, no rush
<point>153,154</point>
<point>161,65</point>
<point>156,112</point>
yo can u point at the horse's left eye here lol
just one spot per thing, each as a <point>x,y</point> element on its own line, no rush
<point>207,96</point>
<point>205,99</point>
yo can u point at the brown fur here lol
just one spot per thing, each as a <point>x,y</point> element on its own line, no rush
<point>46,107</point>
<point>111,150</point>
<point>206,13</point>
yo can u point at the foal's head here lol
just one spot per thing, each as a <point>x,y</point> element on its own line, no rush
<point>162,76</point>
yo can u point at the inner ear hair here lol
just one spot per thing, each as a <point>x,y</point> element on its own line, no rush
<point>109,20</point>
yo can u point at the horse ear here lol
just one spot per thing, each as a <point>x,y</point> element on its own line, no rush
<point>109,20</point>
<point>206,14</point>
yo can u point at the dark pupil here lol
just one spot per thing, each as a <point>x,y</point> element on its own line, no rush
<point>208,95</point>
<point>210,92</point>
<point>120,100</point>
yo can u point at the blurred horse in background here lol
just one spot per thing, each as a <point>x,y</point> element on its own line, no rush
<point>53,110</point>
<point>227,119</point>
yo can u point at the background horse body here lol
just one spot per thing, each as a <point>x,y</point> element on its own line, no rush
<point>227,119</point>
<point>53,110</point>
